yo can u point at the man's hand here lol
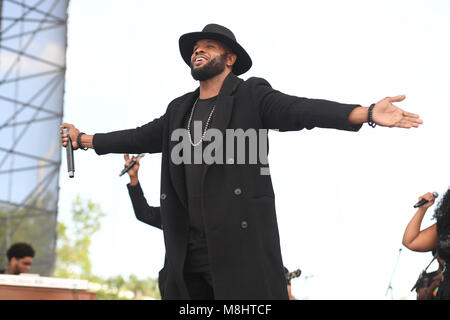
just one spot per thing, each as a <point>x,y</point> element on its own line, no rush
<point>73,133</point>
<point>86,139</point>
<point>387,115</point>
<point>133,172</point>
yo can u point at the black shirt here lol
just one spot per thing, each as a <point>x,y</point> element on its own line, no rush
<point>197,257</point>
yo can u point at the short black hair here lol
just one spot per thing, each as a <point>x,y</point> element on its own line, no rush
<point>20,250</point>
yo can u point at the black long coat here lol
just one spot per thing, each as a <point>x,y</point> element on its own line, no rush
<point>238,203</point>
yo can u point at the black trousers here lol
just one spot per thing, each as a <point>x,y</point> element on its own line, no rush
<point>199,285</point>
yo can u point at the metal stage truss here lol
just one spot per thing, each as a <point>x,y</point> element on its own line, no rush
<point>33,41</point>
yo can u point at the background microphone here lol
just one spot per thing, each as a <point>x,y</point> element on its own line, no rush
<point>132,163</point>
<point>294,274</point>
<point>69,151</point>
<point>423,201</point>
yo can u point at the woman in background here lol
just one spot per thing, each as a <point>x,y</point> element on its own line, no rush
<point>435,236</point>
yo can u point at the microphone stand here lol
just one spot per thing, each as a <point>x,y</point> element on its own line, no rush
<point>392,276</point>
<point>434,258</point>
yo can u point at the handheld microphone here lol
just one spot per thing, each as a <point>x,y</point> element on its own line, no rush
<point>69,151</point>
<point>131,165</point>
<point>423,201</point>
<point>292,275</point>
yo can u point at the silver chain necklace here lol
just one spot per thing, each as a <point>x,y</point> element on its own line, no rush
<point>206,127</point>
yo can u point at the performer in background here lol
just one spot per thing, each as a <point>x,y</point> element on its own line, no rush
<point>219,221</point>
<point>289,277</point>
<point>143,211</point>
<point>436,236</point>
<point>20,258</point>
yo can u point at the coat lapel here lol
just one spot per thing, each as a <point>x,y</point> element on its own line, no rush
<point>223,111</point>
<point>177,122</point>
<point>225,102</point>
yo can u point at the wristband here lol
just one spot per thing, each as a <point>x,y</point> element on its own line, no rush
<point>370,118</point>
<point>79,141</point>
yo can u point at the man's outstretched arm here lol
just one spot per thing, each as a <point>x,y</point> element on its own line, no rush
<point>290,113</point>
<point>386,114</point>
<point>147,138</point>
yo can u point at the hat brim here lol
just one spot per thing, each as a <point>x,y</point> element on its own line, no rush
<point>187,41</point>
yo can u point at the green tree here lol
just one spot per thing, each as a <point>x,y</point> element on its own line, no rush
<point>72,252</point>
<point>72,257</point>
<point>143,288</point>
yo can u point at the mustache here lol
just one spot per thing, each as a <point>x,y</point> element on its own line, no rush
<point>210,69</point>
<point>199,56</point>
<point>209,62</point>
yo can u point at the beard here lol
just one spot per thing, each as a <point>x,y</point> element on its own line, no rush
<point>211,69</point>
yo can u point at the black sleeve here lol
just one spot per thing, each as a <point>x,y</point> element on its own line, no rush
<point>144,212</point>
<point>290,113</point>
<point>147,138</point>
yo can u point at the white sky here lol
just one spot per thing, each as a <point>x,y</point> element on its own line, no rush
<point>343,199</point>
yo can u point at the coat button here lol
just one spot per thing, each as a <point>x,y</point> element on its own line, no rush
<point>244,224</point>
<point>163,196</point>
<point>237,191</point>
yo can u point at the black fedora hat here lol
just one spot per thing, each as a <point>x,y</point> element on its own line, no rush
<point>219,33</point>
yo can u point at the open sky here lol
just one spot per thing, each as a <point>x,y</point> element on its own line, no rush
<point>343,199</point>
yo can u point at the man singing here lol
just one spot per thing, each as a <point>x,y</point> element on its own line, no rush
<point>218,218</point>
